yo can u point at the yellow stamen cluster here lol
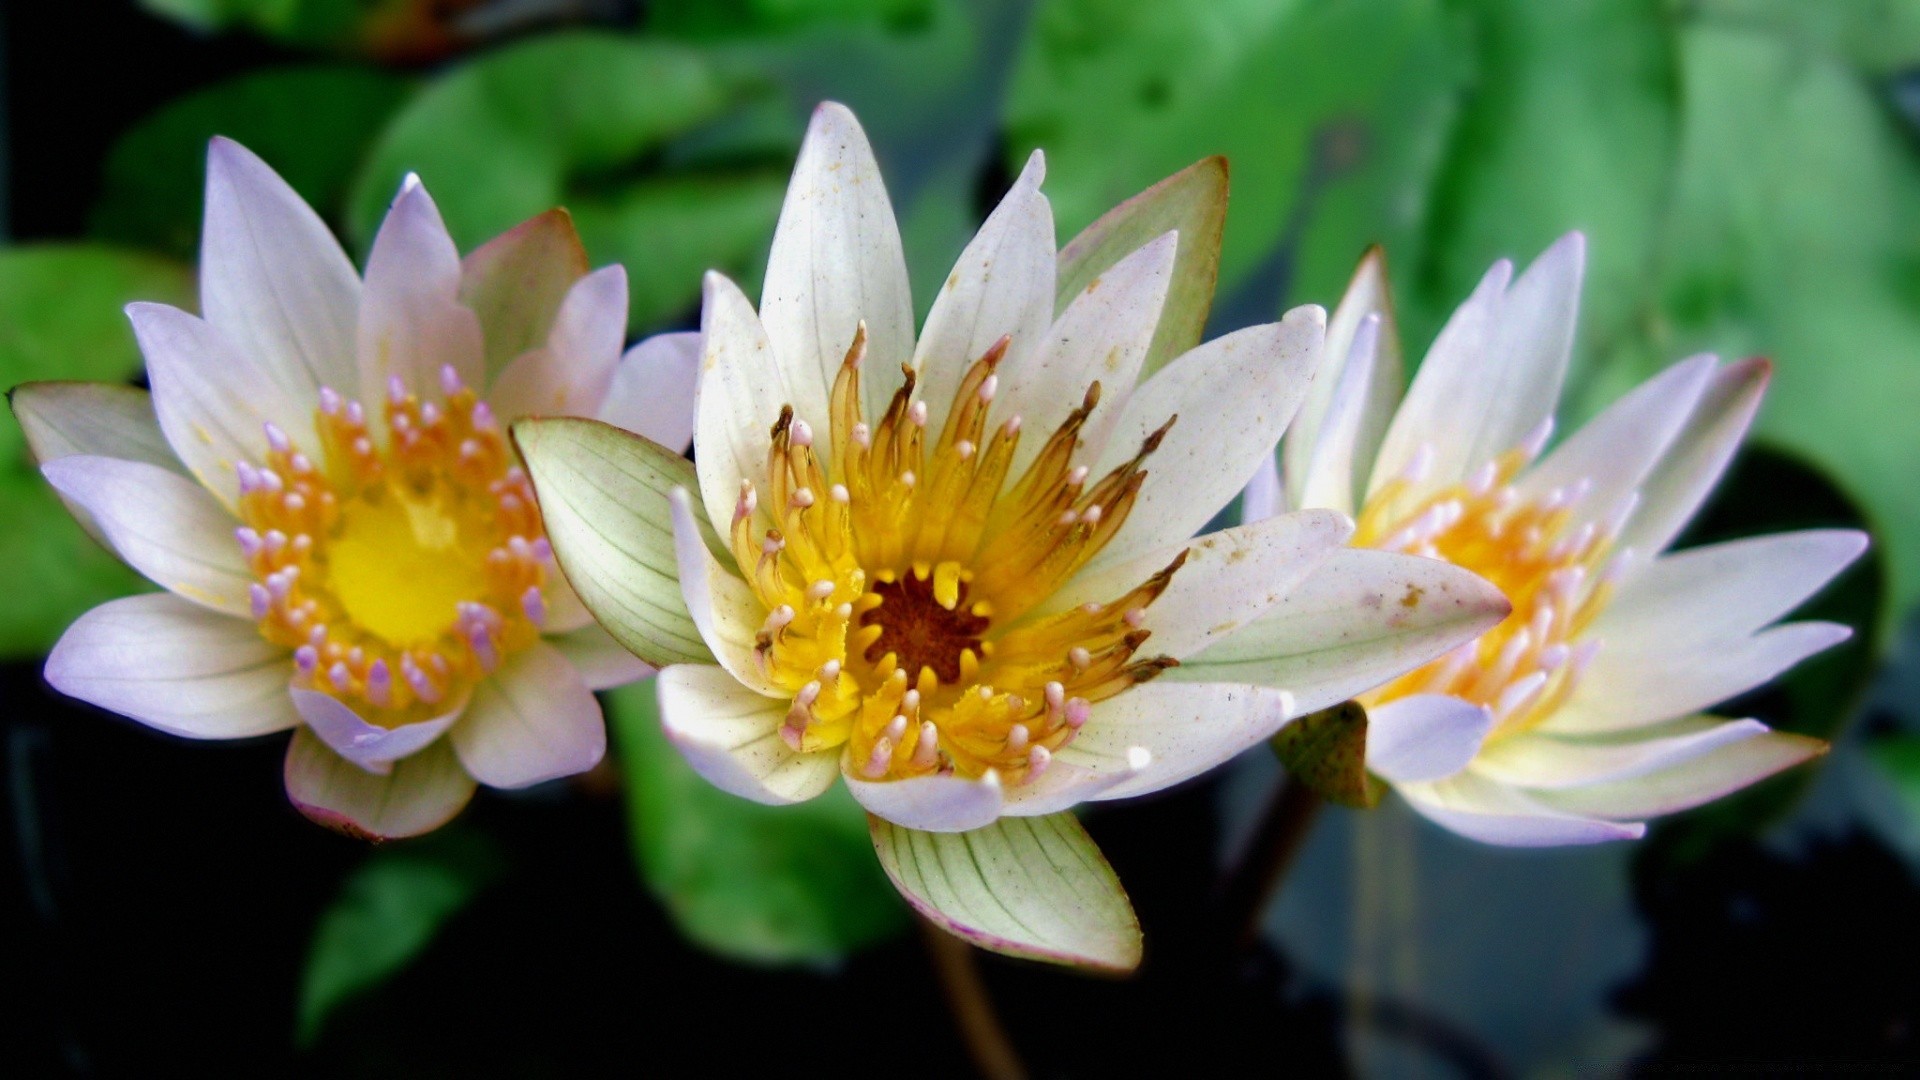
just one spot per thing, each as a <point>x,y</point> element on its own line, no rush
<point>401,568</point>
<point>1550,561</point>
<point>902,581</point>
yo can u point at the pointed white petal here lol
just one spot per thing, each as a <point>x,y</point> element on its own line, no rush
<point>1103,336</point>
<point>945,804</point>
<point>836,261</point>
<point>724,607</point>
<point>1424,737</point>
<point>1722,591</point>
<point>1002,286</point>
<point>273,279</point>
<point>1691,782</point>
<point>1338,453</point>
<point>603,495</point>
<point>1361,619</point>
<point>573,372</point>
<point>1227,579</point>
<point>1233,397</point>
<point>213,401</point>
<point>1494,373</point>
<point>163,524</point>
<point>532,720</point>
<point>516,282</point>
<point>177,667</point>
<point>418,794</point>
<point>1367,296</point>
<point>1065,785</point>
<point>369,746</point>
<point>1543,761</point>
<point>653,389</point>
<point>1187,728</point>
<point>742,389</point>
<point>1625,689</point>
<point>61,419</point>
<point>1697,456</point>
<point>412,322</point>
<point>1618,451</point>
<point>1030,887</point>
<point>731,736</point>
<point>601,661</point>
<point>1479,809</point>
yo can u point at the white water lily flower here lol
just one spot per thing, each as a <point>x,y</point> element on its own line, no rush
<point>1581,714</point>
<point>950,570</point>
<point>318,480</point>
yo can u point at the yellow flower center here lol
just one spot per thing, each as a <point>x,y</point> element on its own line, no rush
<point>905,584</point>
<point>1551,566</point>
<point>400,571</point>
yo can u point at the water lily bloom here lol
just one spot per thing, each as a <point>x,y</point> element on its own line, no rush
<point>960,572</point>
<point>322,482</point>
<point>1582,712</point>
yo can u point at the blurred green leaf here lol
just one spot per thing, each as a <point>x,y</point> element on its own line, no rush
<point>1899,757</point>
<point>387,913</point>
<point>1122,94</point>
<point>60,318</point>
<point>312,124</point>
<point>620,132</point>
<point>395,29</point>
<point>1880,36</point>
<point>766,884</point>
<point>1793,231</point>
<point>711,19</point>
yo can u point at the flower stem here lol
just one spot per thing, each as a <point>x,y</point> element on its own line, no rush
<point>1265,860</point>
<point>972,1006</point>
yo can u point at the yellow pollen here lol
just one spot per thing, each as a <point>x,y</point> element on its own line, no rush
<point>401,566</point>
<point>904,612</point>
<point>1546,556</point>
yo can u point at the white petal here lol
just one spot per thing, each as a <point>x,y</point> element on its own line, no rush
<point>1187,728</point>
<point>1103,336</point>
<point>163,524</point>
<point>742,389</point>
<point>836,261</point>
<point>1233,397</point>
<point>1723,591</point>
<point>213,401</point>
<point>369,746</point>
<point>412,322</point>
<point>1339,453</point>
<point>653,389</point>
<point>1367,296</point>
<point>1361,619</point>
<point>1697,457</point>
<point>573,373</point>
<point>1479,809</point>
<point>1689,783</point>
<point>1626,689</point>
<point>1228,578</point>
<point>601,661</point>
<point>943,804</point>
<point>1494,373</point>
<point>534,719</point>
<point>1539,760</point>
<point>1065,785</point>
<point>61,419</point>
<point>418,794</point>
<point>1263,496</point>
<point>177,667</point>
<point>603,495</point>
<point>273,279</point>
<point>1619,449</point>
<point>1002,286</point>
<point>731,736</point>
<point>1032,887</point>
<point>1424,736</point>
<point>724,607</point>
